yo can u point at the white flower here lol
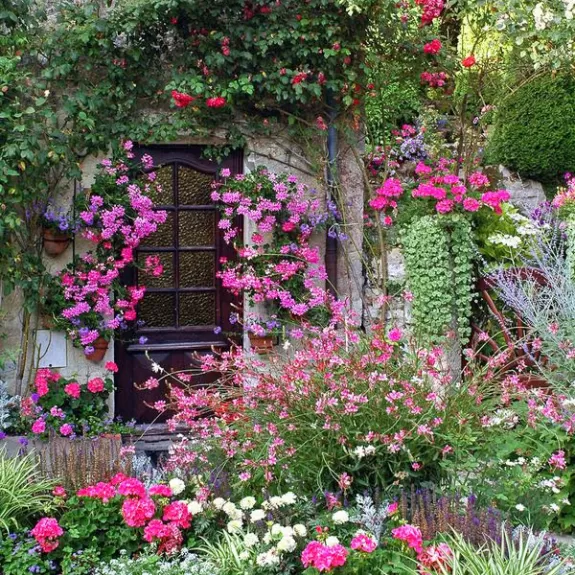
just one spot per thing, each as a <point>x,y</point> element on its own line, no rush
<point>251,539</point>
<point>286,345</point>
<point>244,555</point>
<point>566,502</point>
<point>276,529</point>
<point>340,517</point>
<point>274,502</point>
<point>554,507</point>
<point>370,450</point>
<point>234,526</point>
<point>247,502</point>
<point>287,531</point>
<point>257,515</point>
<point>195,507</point>
<point>520,507</point>
<point>219,502</point>
<point>287,544</point>
<point>156,368</point>
<point>359,452</point>
<point>177,485</point>
<point>267,538</point>
<point>332,541</point>
<point>289,498</point>
<point>229,508</point>
<point>300,530</point>
<point>268,558</point>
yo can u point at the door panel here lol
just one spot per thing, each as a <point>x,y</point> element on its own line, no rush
<point>181,308</point>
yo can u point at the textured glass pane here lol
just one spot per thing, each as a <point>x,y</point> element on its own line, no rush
<point>164,177</point>
<point>194,188</point>
<point>196,228</point>
<point>158,310</point>
<point>164,235</point>
<point>197,308</point>
<point>197,269</point>
<point>166,280</point>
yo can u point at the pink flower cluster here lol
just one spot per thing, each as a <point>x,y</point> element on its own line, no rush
<point>118,215</point>
<point>410,535</point>
<point>432,10</point>
<point>59,404</point>
<point>335,383</point>
<point>432,557</point>
<point>434,79</point>
<point>277,265</point>
<point>323,557</point>
<point>363,542</point>
<point>47,532</point>
<point>140,508</point>
<point>446,190</point>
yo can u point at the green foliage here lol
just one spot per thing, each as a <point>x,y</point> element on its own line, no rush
<point>521,557</point>
<point>184,563</point>
<point>19,553</point>
<point>439,255</point>
<point>91,524</point>
<point>23,492</point>
<point>532,133</point>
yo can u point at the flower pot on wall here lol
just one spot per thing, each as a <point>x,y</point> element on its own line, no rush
<point>55,242</point>
<point>100,348</point>
<point>262,344</point>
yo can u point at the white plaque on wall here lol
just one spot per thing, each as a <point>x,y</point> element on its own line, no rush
<point>51,348</point>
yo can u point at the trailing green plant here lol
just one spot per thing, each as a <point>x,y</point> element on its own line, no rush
<point>439,257</point>
<point>23,492</point>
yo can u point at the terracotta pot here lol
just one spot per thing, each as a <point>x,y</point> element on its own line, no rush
<point>262,344</point>
<point>100,348</point>
<point>55,242</point>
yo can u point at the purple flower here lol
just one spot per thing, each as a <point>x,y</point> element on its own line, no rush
<point>88,350</point>
<point>23,441</point>
<point>142,340</point>
<point>35,397</point>
<point>2,435</point>
<point>217,330</point>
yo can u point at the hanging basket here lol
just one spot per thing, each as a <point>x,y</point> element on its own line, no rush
<point>262,344</point>
<point>100,348</point>
<point>55,242</point>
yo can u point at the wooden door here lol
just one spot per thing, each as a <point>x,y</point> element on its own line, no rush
<point>183,310</point>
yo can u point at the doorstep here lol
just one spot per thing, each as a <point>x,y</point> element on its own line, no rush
<point>153,437</point>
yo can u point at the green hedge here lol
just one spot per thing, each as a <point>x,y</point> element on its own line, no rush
<point>534,129</point>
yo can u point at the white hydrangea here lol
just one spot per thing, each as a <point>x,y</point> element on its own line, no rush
<point>248,502</point>
<point>257,515</point>
<point>234,526</point>
<point>195,507</point>
<point>332,541</point>
<point>340,517</point>
<point>229,508</point>
<point>251,539</point>
<point>300,530</point>
<point>287,544</point>
<point>268,559</point>
<point>276,529</point>
<point>177,485</point>
<point>289,498</point>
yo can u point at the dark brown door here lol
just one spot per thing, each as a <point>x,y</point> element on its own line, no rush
<point>183,310</point>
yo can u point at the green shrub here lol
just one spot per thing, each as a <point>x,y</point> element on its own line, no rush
<point>533,131</point>
<point>23,492</point>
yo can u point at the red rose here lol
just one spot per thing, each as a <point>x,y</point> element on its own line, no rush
<point>218,102</point>
<point>299,78</point>
<point>469,61</point>
<point>181,100</point>
<point>432,47</point>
